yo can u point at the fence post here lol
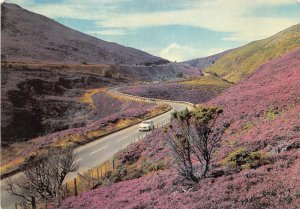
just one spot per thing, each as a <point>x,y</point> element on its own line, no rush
<point>33,202</point>
<point>92,176</point>
<point>75,187</point>
<point>113,164</point>
<point>98,175</point>
<point>67,189</point>
<point>16,205</point>
<point>101,170</point>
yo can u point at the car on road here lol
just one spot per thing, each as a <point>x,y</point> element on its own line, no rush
<point>147,125</point>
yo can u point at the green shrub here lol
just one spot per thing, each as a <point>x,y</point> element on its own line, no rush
<point>159,165</point>
<point>271,113</point>
<point>243,129</point>
<point>244,159</point>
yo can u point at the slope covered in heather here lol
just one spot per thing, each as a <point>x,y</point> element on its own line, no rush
<point>30,37</point>
<point>238,63</point>
<point>196,90</point>
<point>264,113</point>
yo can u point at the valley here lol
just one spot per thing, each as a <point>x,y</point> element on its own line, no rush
<point>226,127</point>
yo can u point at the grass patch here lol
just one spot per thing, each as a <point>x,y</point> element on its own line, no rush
<point>243,129</point>
<point>271,113</point>
<point>88,96</point>
<point>209,80</point>
<point>244,159</point>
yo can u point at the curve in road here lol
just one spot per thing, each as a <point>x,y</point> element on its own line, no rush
<point>104,148</point>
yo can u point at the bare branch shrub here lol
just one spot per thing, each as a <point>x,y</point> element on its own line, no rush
<point>42,177</point>
<point>193,138</point>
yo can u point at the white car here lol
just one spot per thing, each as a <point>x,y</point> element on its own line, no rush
<point>147,125</point>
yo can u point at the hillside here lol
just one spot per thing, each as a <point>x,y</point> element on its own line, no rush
<point>204,62</point>
<point>47,97</point>
<point>264,114</point>
<point>196,91</point>
<point>238,63</point>
<point>167,71</point>
<point>30,37</point>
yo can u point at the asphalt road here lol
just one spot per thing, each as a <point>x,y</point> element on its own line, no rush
<point>104,148</point>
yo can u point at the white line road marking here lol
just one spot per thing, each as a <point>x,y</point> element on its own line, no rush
<point>77,160</point>
<point>122,138</point>
<point>98,150</point>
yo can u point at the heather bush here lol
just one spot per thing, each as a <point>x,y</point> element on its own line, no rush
<point>244,159</point>
<point>127,171</point>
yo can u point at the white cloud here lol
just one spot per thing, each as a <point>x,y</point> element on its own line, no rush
<point>177,52</point>
<point>235,17</point>
<point>231,16</point>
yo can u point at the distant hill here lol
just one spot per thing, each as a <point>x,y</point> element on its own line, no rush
<point>167,71</point>
<point>30,37</point>
<point>204,62</point>
<point>238,63</point>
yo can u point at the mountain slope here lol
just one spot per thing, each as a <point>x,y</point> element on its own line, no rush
<point>204,62</point>
<point>238,63</point>
<point>31,37</point>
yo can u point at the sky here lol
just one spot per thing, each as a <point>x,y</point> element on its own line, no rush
<point>177,30</point>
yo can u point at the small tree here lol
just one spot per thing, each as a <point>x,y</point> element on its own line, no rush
<point>193,138</point>
<point>42,177</point>
<point>179,75</point>
<point>107,74</point>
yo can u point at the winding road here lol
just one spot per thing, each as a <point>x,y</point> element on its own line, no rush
<point>104,148</point>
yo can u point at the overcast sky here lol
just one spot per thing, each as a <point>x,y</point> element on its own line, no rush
<point>173,29</point>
